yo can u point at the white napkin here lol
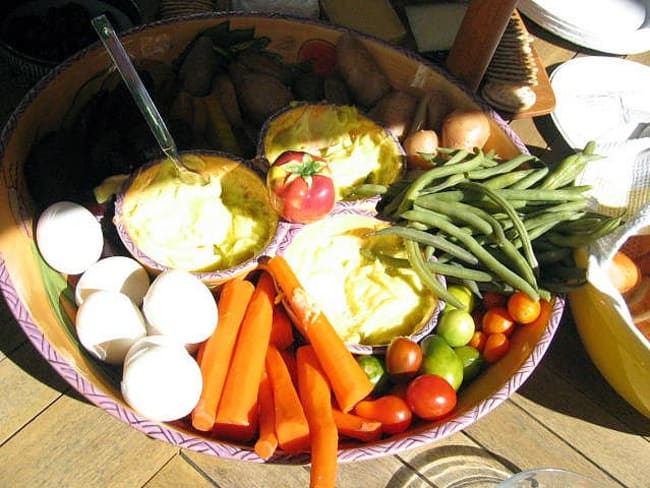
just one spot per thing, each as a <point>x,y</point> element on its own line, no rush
<point>620,181</point>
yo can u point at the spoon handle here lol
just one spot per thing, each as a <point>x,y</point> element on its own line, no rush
<point>133,82</point>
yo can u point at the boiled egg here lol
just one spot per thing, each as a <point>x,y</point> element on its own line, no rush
<point>117,273</point>
<point>179,305</point>
<point>160,379</point>
<point>69,237</point>
<point>108,323</point>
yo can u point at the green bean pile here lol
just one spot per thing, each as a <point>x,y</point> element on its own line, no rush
<point>494,225</point>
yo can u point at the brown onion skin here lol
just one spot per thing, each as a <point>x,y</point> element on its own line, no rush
<point>465,129</point>
<point>421,141</point>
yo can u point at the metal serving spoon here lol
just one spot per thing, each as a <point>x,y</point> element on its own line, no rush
<point>142,99</point>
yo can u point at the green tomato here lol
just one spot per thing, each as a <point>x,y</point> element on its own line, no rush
<point>464,295</point>
<point>438,357</point>
<point>456,327</point>
<point>472,361</point>
<point>376,373</point>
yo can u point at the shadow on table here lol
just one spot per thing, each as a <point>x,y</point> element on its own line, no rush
<point>586,394</point>
<point>15,344</point>
<point>453,465</point>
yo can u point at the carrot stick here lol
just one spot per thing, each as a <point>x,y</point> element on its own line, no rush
<point>215,354</point>
<point>267,442</point>
<point>239,397</point>
<point>289,357</point>
<point>355,427</point>
<point>291,425</point>
<point>315,395</point>
<point>282,330</point>
<point>349,383</point>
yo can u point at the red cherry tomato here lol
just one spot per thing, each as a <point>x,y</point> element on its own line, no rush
<point>403,358</point>
<point>496,346</point>
<point>430,396</point>
<point>522,308</point>
<point>392,411</point>
<point>300,187</point>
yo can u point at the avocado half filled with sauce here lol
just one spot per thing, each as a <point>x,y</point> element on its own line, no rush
<point>216,230</point>
<point>362,283</point>
<point>357,149</point>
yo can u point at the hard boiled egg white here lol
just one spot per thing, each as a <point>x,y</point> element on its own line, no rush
<point>108,323</point>
<point>160,379</point>
<point>69,237</point>
<point>179,305</point>
<point>117,273</point>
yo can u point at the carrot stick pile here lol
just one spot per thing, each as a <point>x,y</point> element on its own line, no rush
<point>280,382</point>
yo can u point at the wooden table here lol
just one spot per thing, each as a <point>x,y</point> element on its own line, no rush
<point>565,415</point>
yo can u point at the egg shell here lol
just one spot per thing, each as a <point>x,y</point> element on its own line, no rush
<point>179,305</point>
<point>108,323</point>
<point>117,273</point>
<point>161,380</point>
<point>69,237</point>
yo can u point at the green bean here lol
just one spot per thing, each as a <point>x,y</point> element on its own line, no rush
<point>583,239</point>
<point>368,190</point>
<point>458,271</point>
<point>531,179</point>
<point>448,182</point>
<point>431,175</point>
<point>551,218</point>
<point>430,281</point>
<point>570,167</point>
<point>459,212</point>
<point>427,239</point>
<point>508,179</point>
<point>501,168</point>
<point>475,248</point>
<point>514,217</point>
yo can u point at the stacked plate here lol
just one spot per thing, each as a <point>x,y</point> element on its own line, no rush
<point>611,26</point>
<point>178,8</point>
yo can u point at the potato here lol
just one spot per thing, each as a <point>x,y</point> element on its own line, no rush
<point>421,141</point>
<point>395,111</point>
<point>260,95</point>
<point>465,129</point>
<point>357,66</point>
<point>198,67</point>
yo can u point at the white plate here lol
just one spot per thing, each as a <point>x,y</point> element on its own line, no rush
<point>600,98</point>
<point>611,26</point>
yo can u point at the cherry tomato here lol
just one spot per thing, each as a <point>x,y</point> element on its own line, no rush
<point>430,397</point>
<point>497,320</point>
<point>456,327</point>
<point>403,358</point>
<point>300,187</point>
<point>392,411</point>
<point>478,340</point>
<point>496,346</point>
<point>376,373</point>
<point>522,308</point>
<point>493,299</point>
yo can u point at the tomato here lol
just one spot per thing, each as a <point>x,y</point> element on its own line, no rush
<point>464,295</point>
<point>320,54</point>
<point>375,371</point>
<point>478,340</point>
<point>496,346</point>
<point>522,308</point>
<point>403,358</point>
<point>497,320</point>
<point>392,411</point>
<point>456,327</point>
<point>439,358</point>
<point>430,397</point>
<point>493,299</point>
<point>300,187</point>
<point>472,361</point>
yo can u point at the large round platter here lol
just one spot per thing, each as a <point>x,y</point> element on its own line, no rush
<point>41,298</point>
